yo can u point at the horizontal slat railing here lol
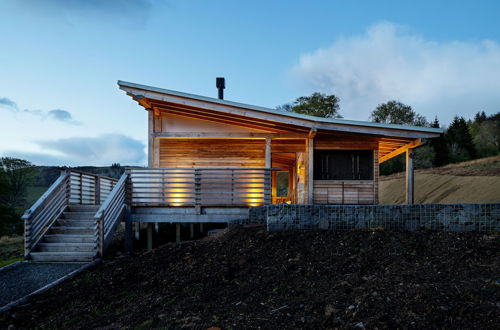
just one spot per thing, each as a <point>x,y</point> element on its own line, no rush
<point>72,187</point>
<point>110,213</point>
<point>200,186</point>
<point>39,218</point>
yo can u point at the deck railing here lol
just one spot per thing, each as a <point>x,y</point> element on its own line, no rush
<point>45,211</point>
<point>88,188</point>
<point>110,213</point>
<point>200,187</point>
<point>72,187</point>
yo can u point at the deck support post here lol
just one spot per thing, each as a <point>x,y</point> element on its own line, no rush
<point>137,226</point>
<point>410,186</point>
<point>150,237</point>
<point>201,229</point>
<point>129,235</point>
<point>177,233</point>
<point>191,231</point>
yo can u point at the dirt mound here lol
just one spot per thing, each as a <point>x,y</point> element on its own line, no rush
<point>248,278</point>
<point>476,181</point>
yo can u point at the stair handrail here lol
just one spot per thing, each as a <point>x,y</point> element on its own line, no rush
<point>45,211</point>
<point>110,213</point>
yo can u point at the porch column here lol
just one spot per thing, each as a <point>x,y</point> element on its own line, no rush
<point>268,153</point>
<point>409,176</point>
<point>150,137</point>
<point>310,168</point>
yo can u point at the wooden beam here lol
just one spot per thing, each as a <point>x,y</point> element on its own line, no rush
<point>150,137</point>
<point>399,151</point>
<point>410,186</point>
<point>215,135</point>
<point>310,170</point>
<point>268,153</point>
<point>312,133</point>
<point>142,101</point>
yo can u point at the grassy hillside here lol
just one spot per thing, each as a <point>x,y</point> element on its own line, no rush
<point>476,181</point>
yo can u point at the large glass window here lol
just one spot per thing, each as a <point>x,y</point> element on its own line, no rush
<point>343,164</point>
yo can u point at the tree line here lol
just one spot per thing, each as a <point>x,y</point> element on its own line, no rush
<point>464,139</point>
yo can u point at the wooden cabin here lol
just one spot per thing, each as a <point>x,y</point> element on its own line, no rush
<point>209,161</point>
<point>310,160</point>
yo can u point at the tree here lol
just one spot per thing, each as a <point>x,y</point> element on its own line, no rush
<point>459,141</point>
<point>395,112</point>
<point>318,104</point>
<point>440,148</point>
<point>19,174</point>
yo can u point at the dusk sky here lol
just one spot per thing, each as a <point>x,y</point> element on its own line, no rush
<point>60,61</point>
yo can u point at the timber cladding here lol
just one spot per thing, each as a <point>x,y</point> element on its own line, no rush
<point>343,192</point>
<point>212,153</point>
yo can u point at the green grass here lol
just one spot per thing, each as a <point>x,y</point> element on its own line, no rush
<point>11,249</point>
<point>33,193</point>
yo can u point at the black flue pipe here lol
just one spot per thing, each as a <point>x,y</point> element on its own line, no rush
<point>220,82</point>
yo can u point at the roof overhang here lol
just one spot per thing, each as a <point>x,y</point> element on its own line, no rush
<point>390,137</point>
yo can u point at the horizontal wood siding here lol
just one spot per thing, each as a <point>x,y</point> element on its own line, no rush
<point>343,192</point>
<point>212,153</point>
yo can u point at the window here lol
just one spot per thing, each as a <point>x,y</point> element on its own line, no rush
<point>282,184</point>
<point>343,165</point>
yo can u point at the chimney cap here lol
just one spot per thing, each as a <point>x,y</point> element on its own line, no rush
<point>220,82</point>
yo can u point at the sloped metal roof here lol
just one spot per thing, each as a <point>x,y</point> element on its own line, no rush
<point>279,112</point>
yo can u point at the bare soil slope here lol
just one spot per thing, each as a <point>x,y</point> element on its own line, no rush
<point>476,181</point>
<point>248,278</point>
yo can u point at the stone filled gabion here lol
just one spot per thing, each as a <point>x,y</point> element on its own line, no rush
<point>446,217</point>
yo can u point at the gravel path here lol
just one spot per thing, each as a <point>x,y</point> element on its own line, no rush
<point>24,278</point>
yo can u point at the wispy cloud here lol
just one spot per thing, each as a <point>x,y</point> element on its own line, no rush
<point>56,114</point>
<point>102,150</point>
<point>131,13</point>
<point>388,62</point>
<point>8,104</point>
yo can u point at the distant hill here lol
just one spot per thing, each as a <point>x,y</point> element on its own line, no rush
<point>476,181</point>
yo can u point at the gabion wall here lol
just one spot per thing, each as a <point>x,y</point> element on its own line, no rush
<point>446,217</point>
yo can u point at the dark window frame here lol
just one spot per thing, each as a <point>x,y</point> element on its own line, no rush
<point>343,165</point>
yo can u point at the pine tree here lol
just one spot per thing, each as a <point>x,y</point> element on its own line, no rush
<point>459,141</point>
<point>440,147</point>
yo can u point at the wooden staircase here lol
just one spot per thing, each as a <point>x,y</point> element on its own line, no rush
<point>71,238</point>
<point>75,219</point>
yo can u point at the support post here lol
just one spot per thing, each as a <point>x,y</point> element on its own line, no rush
<point>410,188</point>
<point>150,236</point>
<point>310,168</point>
<point>191,231</point>
<point>201,228</point>
<point>137,230</point>
<point>129,242</point>
<point>177,232</point>
<point>268,153</point>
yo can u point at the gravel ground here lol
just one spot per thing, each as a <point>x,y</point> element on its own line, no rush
<point>24,278</point>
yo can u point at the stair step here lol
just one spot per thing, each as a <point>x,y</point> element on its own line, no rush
<point>62,256</point>
<point>72,230</point>
<point>83,208</point>
<point>61,238</point>
<point>76,223</point>
<point>66,247</point>
<point>78,215</point>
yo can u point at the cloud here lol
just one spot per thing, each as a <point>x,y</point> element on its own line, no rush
<point>8,104</point>
<point>62,115</point>
<point>390,62</point>
<point>56,114</point>
<point>102,150</point>
<point>131,13</point>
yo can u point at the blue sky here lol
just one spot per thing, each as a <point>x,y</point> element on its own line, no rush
<point>60,60</point>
